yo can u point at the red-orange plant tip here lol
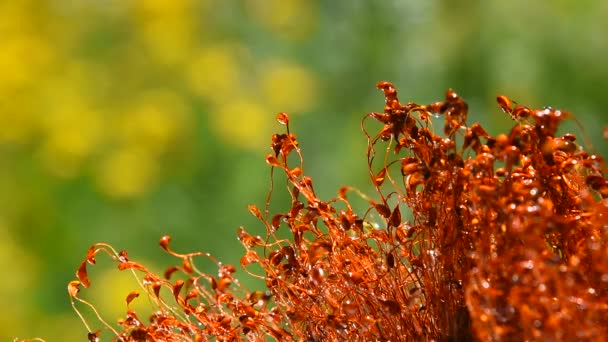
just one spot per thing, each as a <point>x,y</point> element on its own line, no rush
<point>82,274</point>
<point>132,295</point>
<point>123,256</point>
<point>187,266</point>
<point>379,179</point>
<point>248,240</point>
<point>94,336</point>
<point>169,271</point>
<point>177,287</point>
<point>74,288</point>
<point>507,240</point>
<point>504,103</point>
<point>255,211</point>
<point>164,242</point>
<point>91,254</point>
<point>272,160</point>
<point>130,265</point>
<point>283,118</point>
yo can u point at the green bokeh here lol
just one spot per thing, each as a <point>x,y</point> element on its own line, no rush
<point>122,121</point>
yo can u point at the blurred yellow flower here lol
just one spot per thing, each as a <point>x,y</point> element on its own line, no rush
<point>243,123</point>
<point>109,290</point>
<point>163,7</point>
<point>22,58</point>
<point>288,87</point>
<point>170,41</point>
<point>127,173</point>
<point>155,122</point>
<point>71,135</point>
<point>295,19</point>
<point>74,81</point>
<point>214,73</point>
<point>167,28</point>
<point>18,122</point>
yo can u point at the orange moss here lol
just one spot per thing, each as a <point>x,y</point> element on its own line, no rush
<point>507,240</point>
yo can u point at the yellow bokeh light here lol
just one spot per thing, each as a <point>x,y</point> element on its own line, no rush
<point>214,73</point>
<point>18,122</point>
<point>170,41</point>
<point>71,136</point>
<point>163,7</point>
<point>127,173</point>
<point>20,67</point>
<point>24,51</point>
<point>155,122</point>
<point>243,123</point>
<point>288,87</point>
<point>109,290</point>
<point>167,28</point>
<point>294,19</point>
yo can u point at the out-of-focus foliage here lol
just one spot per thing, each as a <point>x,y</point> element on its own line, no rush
<point>123,120</point>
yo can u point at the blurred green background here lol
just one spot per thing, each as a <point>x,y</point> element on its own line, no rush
<point>124,120</point>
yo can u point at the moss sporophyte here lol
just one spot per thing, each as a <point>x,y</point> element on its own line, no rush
<point>507,239</point>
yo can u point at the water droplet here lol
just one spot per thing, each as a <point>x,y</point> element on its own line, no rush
<point>317,275</point>
<point>283,118</point>
<point>350,308</point>
<point>533,208</point>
